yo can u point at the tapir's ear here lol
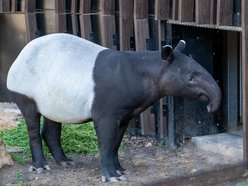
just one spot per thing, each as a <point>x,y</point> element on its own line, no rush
<point>167,53</point>
<point>180,46</point>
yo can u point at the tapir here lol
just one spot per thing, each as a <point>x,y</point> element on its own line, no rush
<point>67,79</point>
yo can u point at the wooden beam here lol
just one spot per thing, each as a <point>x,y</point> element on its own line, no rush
<point>141,33</point>
<point>213,9</point>
<point>147,120</point>
<point>74,6</point>
<point>4,6</point>
<point>175,9</point>
<point>13,5</point>
<point>60,6</point>
<point>85,6</point>
<point>162,9</point>
<point>74,17</point>
<point>85,26</point>
<point>30,6</point>
<point>31,25</point>
<point>140,9</point>
<point>60,23</point>
<point>107,7</point>
<point>224,12</point>
<point>107,25</point>
<point>202,11</point>
<point>126,8</point>
<point>186,10</point>
<point>245,77</point>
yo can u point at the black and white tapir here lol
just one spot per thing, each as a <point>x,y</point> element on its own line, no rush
<point>67,79</point>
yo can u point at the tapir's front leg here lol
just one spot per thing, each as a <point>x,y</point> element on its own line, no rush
<point>107,133</point>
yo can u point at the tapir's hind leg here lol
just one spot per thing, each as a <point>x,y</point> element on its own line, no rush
<point>32,117</point>
<point>51,134</point>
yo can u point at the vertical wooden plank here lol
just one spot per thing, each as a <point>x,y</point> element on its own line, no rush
<point>147,120</point>
<point>60,23</point>
<point>60,6</point>
<point>107,25</point>
<point>162,9</point>
<point>162,102</point>
<point>141,33</point>
<point>244,13</point>
<point>224,12</point>
<point>74,17</point>
<point>141,29</point>
<point>85,26</point>
<point>213,9</point>
<point>140,9</point>
<point>163,118</point>
<point>30,6</point>
<point>126,8</point>
<point>141,24</point>
<point>4,6</point>
<point>202,11</point>
<point>74,6</point>
<point>85,6</point>
<point>13,5</point>
<point>60,16</point>
<point>107,7</point>
<point>85,19</point>
<point>31,25</point>
<point>175,9</point>
<point>186,10</point>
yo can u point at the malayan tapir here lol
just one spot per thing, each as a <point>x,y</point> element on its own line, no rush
<point>68,79</point>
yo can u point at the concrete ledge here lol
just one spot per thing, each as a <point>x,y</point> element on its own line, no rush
<point>228,144</point>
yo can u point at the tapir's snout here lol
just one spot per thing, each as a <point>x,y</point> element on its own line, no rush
<point>211,94</point>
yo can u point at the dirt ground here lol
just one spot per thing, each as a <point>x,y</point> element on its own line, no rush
<point>145,161</point>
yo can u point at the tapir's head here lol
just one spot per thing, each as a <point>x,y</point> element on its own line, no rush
<point>183,76</point>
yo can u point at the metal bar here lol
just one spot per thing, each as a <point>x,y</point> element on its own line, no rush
<point>229,28</point>
<point>245,77</point>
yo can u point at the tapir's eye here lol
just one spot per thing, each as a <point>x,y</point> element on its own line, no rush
<point>190,77</point>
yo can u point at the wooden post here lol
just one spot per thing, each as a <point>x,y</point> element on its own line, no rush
<point>141,28</point>
<point>175,9</point>
<point>13,5</point>
<point>186,10</point>
<point>245,77</point>
<point>202,11</point>
<point>74,17</point>
<point>213,9</point>
<point>107,23</point>
<point>126,8</point>
<point>85,19</point>
<point>31,25</point>
<point>60,16</point>
<point>4,6</point>
<point>162,9</point>
<point>30,16</point>
<point>30,6</point>
<point>224,12</point>
<point>141,24</point>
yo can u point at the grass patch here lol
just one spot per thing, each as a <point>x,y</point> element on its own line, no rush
<point>75,139</point>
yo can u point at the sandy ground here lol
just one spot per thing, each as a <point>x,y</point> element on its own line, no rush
<point>145,161</point>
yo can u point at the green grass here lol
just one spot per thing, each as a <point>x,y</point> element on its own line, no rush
<point>75,139</point>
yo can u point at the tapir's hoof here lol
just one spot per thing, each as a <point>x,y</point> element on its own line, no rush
<point>38,170</point>
<point>113,179</point>
<point>66,163</point>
